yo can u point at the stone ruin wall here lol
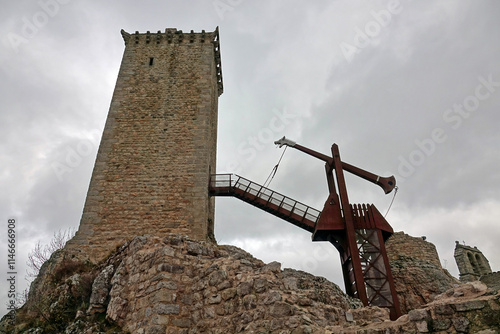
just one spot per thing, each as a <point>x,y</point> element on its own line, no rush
<point>403,245</point>
<point>417,271</point>
<point>177,285</point>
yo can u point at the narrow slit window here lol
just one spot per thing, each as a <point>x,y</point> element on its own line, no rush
<point>151,60</point>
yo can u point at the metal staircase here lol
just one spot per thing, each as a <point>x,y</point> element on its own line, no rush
<point>284,207</point>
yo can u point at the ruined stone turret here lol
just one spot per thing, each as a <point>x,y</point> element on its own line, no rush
<point>417,270</point>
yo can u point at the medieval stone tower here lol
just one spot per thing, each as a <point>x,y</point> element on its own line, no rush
<point>471,263</point>
<point>159,144</point>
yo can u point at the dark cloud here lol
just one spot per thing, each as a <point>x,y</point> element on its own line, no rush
<point>382,105</point>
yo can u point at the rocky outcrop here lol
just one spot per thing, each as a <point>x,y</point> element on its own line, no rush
<point>99,297</point>
<point>177,285</point>
<point>468,308</point>
<point>417,271</point>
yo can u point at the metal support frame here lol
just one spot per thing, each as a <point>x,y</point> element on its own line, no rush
<point>357,284</point>
<point>357,231</point>
<point>359,234</point>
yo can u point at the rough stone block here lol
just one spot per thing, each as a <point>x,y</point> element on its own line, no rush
<point>274,267</point>
<point>156,330</point>
<point>416,315</point>
<point>228,293</point>
<point>470,305</point>
<point>249,302</point>
<point>209,312</point>
<point>422,326</point>
<point>167,309</point>
<point>171,268</point>
<point>441,324</point>
<point>271,297</point>
<point>100,290</point>
<point>182,322</point>
<point>244,288</point>
<point>163,296</point>
<point>461,325</point>
<point>260,285</point>
<point>217,277</point>
<point>281,309</point>
<point>444,309</point>
<point>214,299</point>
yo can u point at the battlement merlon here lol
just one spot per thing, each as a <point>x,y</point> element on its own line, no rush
<point>172,35</point>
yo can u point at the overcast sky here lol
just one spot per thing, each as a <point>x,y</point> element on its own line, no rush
<point>409,88</point>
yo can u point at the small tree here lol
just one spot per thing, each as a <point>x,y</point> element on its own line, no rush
<point>38,256</point>
<point>42,253</point>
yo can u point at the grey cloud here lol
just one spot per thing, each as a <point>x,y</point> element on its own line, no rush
<point>56,90</point>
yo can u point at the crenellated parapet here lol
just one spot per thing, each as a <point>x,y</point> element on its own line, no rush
<point>174,36</point>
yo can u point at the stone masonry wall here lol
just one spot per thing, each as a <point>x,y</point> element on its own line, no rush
<point>401,244</point>
<point>176,285</point>
<point>159,144</point>
<point>417,271</point>
<point>492,280</point>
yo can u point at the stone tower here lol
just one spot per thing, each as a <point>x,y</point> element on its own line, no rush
<point>471,263</point>
<point>159,144</point>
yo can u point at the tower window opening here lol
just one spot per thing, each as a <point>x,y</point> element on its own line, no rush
<point>151,60</point>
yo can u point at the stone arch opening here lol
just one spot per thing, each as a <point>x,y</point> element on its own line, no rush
<point>473,263</point>
<point>480,263</point>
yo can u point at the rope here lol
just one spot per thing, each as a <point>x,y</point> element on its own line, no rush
<point>393,197</point>
<point>274,170</point>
